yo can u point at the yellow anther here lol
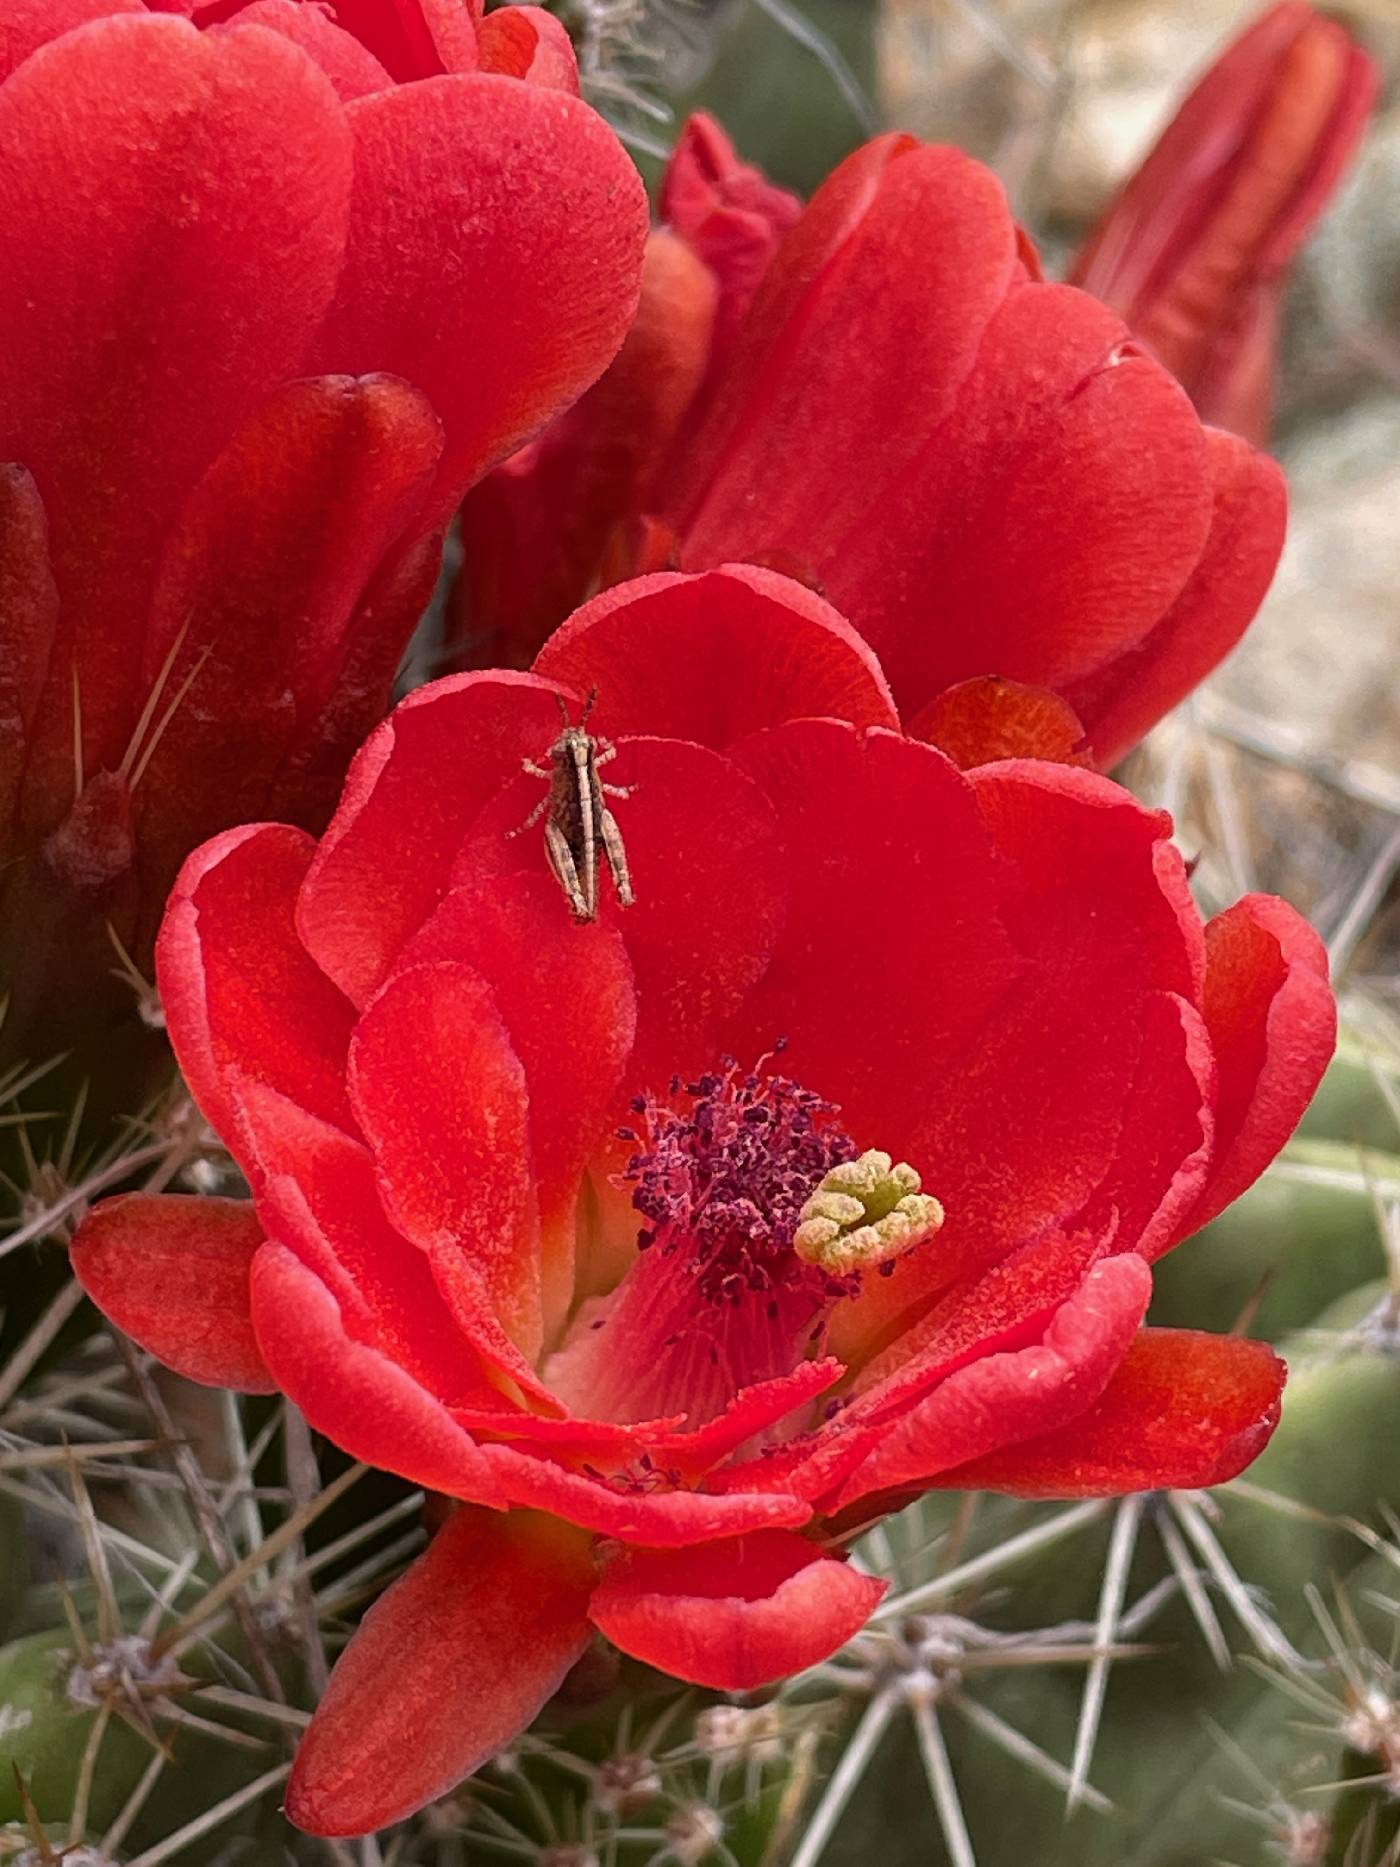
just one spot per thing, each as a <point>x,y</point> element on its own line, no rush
<point>839,1207</point>
<point>865,1212</point>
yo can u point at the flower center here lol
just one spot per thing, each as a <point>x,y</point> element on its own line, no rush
<point>727,1179</point>
<point>760,1215</point>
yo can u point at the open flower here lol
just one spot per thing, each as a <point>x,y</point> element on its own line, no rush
<point>983,471</point>
<point>233,447</point>
<point>679,1242</point>
<point>1194,250</point>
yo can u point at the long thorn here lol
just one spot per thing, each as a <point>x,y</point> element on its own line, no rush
<point>942,1785</point>
<point>188,1627</point>
<point>211,1818</point>
<point>855,1759</point>
<point>1039,1537</point>
<point>1121,1545</point>
<point>1194,1590</point>
<point>1016,1744</point>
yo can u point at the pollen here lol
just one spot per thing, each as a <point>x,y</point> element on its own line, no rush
<point>864,1214</point>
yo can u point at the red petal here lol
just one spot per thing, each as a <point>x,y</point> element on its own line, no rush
<point>441,1097</point>
<point>414,38</point>
<point>1122,700</point>
<point>447,1667</point>
<point>1088,856</point>
<point>238,988</point>
<point>1047,523</point>
<point>386,860</point>
<point>885,838</point>
<point>1168,1131</point>
<point>309,782</point>
<point>526,210</point>
<point>727,212</point>
<point>733,1615</point>
<point>1005,1308</point>
<point>1182,1410</point>
<point>258,587</point>
<point>25,25</point>
<point>571,1016</point>
<point>1211,219</point>
<point>716,657</point>
<point>317,1196</point>
<point>351,1391</point>
<point>28,621</point>
<point>811,424</point>
<point>234,144</point>
<point>982,720</point>
<point>351,68</point>
<point>662,1519</point>
<point>535,532</point>
<point>751,1412</point>
<point>1273,1022</point>
<point>529,42</point>
<point>1002,1073</point>
<point>1005,1398</point>
<point>173,1273</point>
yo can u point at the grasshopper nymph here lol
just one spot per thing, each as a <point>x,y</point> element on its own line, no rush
<point>577,820</point>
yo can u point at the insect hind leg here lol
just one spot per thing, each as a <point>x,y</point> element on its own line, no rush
<point>561,860</point>
<point>615,851</point>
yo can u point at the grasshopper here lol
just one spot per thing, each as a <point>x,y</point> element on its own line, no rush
<point>577,820</point>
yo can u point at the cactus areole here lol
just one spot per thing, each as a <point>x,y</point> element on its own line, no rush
<point>678,1243</point>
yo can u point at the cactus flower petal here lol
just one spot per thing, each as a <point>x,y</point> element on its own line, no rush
<point>988,474</point>
<point>1120,701</point>
<point>494,1600</point>
<point>745,649</point>
<point>173,1273</point>
<point>530,43</point>
<point>1182,1410</point>
<point>733,1615</point>
<point>232,915</point>
<point>1013,1394</point>
<point>1269,1010</point>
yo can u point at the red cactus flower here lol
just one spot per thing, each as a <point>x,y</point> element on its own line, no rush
<point>981,470</point>
<point>679,1241</point>
<point>234,447</point>
<point>1194,250</point>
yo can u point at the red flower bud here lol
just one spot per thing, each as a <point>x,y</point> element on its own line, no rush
<point>1193,252</point>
